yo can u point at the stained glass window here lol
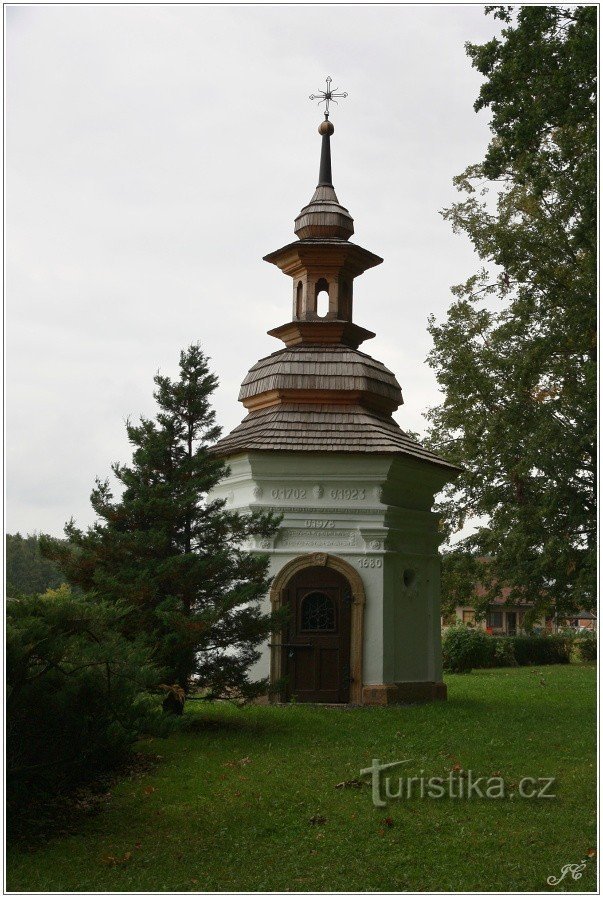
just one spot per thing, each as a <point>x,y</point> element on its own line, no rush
<point>318,612</point>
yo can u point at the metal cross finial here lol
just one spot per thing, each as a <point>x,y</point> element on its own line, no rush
<point>327,96</point>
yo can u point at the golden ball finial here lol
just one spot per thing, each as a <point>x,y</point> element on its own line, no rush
<point>326,127</point>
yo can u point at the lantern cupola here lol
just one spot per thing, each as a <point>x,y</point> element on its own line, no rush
<point>323,260</point>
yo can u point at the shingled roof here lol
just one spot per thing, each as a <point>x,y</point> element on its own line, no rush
<point>323,428</point>
<point>332,368</point>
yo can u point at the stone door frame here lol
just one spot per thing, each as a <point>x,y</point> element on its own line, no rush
<point>280,583</point>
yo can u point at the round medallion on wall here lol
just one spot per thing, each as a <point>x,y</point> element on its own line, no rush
<point>258,492</point>
<point>317,491</point>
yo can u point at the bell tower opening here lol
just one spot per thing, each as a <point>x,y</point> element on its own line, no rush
<point>322,298</point>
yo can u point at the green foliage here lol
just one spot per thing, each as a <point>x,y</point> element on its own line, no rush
<point>27,571</point>
<point>504,652</point>
<point>586,645</point>
<point>464,648</point>
<point>461,572</point>
<point>76,692</point>
<point>178,560</point>
<point>518,347</point>
<point>542,649</point>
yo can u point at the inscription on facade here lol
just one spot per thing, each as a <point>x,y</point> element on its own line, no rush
<point>289,492</point>
<point>300,492</point>
<point>320,525</point>
<point>322,540</point>
<point>370,562</point>
<point>348,493</point>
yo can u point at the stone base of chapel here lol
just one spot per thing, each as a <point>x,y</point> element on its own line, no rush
<point>403,693</point>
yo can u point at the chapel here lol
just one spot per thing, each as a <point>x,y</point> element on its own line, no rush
<point>355,558</point>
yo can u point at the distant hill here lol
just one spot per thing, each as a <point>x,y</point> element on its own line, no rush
<point>26,571</point>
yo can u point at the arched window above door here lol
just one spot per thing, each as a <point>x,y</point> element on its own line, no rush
<point>317,612</point>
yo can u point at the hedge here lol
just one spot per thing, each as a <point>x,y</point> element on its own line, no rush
<point>465,648</point>
<point>586,645</point>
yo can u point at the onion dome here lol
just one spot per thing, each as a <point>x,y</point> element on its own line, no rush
<point>317,373</point>
<point>324,216</point>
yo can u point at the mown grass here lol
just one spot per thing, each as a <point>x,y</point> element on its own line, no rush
<point>230,805</point>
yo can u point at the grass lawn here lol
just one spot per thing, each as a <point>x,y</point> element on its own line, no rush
<point>230,805</point>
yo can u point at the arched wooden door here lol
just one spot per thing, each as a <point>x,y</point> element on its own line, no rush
<point>316,639</point>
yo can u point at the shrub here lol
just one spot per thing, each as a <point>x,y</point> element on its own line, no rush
<point>586,644</point>
<point>77,693</point>
<point>542,649</point>
<point>464,648</point>
<point>504,652</point>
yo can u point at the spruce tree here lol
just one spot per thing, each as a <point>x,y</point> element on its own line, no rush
<point>179,561</point>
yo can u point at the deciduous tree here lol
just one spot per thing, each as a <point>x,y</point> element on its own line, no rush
<point>516,355</point>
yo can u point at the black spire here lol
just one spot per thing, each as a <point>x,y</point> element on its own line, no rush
<point>325,178</point>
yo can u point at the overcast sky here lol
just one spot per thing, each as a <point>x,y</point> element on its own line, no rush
<point>156,153</point>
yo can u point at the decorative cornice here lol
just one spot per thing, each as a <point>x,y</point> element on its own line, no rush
<point>364,398</point>
<point>322,332</point>
<point>294,258</point>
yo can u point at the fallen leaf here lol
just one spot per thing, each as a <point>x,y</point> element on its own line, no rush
<point>388,821</point>
<point>318,820</point>
<point>148,790</point>
<point>591,852</point>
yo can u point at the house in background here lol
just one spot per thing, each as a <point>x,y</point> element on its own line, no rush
<point>503,617</point>
<point>582,620</point>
